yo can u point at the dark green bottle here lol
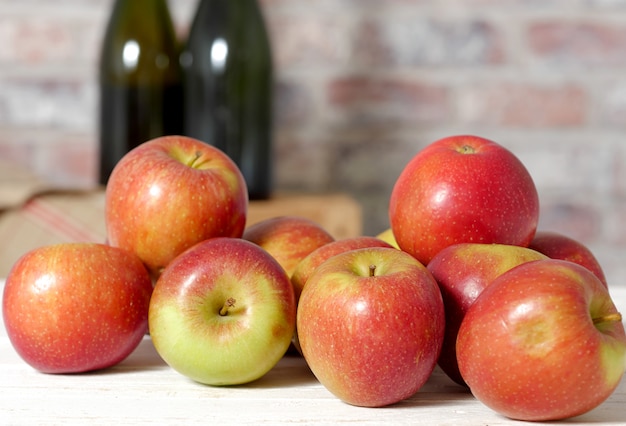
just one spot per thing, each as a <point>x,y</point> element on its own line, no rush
<point>228,80</point>
<point>141,95</point>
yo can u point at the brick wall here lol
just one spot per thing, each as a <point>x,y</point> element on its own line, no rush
<point>363,85</point>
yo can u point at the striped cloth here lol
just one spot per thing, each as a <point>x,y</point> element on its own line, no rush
<point>33,214</point>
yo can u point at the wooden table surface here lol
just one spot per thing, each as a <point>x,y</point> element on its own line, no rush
<point>144,390</point>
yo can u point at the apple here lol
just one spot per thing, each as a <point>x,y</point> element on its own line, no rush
<point>289,239</point>
<point>307,266</point>
<point>559,246</point>
<point>370,323</point>
<point>170,193</point>
<point>543,342</point>
<point>388,237</point>
<point>463,271</point>
<point>76,307</point>
<point>223,312</point>
<point>462,189</point>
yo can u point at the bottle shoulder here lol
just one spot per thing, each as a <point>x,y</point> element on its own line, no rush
<point>140,43</point>
<point>227,34</point>
<point>239,22</point>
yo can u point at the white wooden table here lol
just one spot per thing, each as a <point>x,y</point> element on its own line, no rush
<point>144,390</point>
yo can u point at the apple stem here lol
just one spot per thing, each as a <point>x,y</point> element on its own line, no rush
<point>614,317</point>
<point>194,159</point>
<point>230,302</point>
<point>372,270</point>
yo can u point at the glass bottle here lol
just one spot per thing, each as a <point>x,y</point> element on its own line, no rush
<point>228,80</point>
<point>140,80</point>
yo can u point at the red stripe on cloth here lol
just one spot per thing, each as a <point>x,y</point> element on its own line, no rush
<point>58,222</point>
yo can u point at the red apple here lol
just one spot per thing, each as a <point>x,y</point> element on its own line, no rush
<point>76,307</point>
<point>559,246</point>
<point>170,193</point>
<point>288,238</point>
<point>463,271</point>
<point>223,312</point>
<point>542,342</point>
<point>371,323</point>
<point>307,266</point>
<point>462,189</point>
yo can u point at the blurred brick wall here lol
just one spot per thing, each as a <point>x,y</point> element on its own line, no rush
<point>362,85</point>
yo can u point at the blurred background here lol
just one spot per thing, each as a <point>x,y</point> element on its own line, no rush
<point>361,86</point>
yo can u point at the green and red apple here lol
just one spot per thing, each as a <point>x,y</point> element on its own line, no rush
<point>544,341</point>
<point>223,312</point>
<point>76,307</point>
<point>463,271</point>
<point>170,193</point>
<point>370,323</point>
<point>288,238</point>
<point>388,237</point>
<point>462,189</point>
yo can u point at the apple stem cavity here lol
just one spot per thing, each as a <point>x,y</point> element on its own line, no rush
<point>194,163</point>
<point>466,149</point>
<point>230,302</point>
<point>372,270</point>
<point>614,317</point>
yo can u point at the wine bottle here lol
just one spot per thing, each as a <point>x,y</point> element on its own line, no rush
<point>228,87</point>
<point>141,94</point>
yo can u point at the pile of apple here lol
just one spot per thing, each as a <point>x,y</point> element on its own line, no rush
<point>462,279</point>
